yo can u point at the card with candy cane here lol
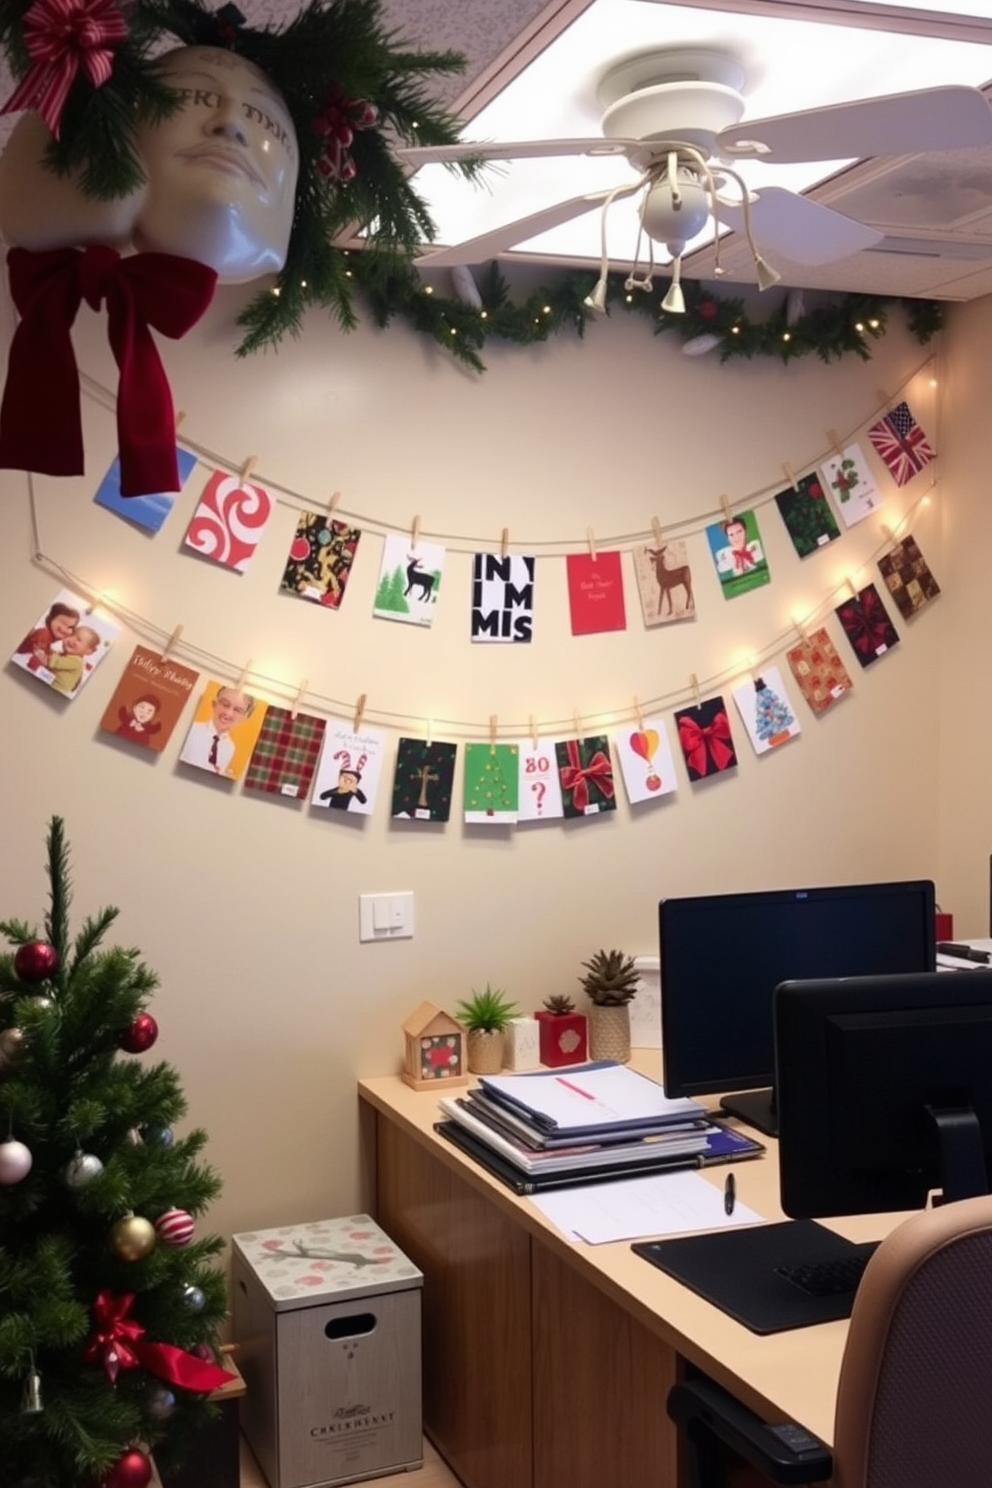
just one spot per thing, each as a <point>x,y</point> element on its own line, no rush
<point>349,769</point>
<point>229,520</point>
<point>646,761</point>
<point>540,788</point>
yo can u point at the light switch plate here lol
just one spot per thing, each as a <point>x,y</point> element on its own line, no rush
<point>385,916</point>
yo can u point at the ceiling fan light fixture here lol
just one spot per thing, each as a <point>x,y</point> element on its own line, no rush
<point>596,300</point>
<point>767,276</point>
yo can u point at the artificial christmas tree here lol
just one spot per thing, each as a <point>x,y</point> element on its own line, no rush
<point>109,1303</point>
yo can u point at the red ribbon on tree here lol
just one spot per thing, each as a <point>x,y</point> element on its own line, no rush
<point>577,777</point>
<point>116,1343</point>
<point>62,36</point>
<point>336,123</point>
<point>697,738</point>
<point>40,424</point>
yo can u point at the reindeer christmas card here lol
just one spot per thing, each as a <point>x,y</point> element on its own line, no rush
<point>664,582</point>
<point>409,580</point>
<point>766,712</point>
<point>424,780</point>
<point>65,644</point>
<point>595,592</point>
<point>350,769</point>
<point>646,762</point>
<point>491,788</point>
<point>320,559</point>
<point>539,788</point>
<point>148,701</point>
<point>502,598</point>
<point>229,521</point>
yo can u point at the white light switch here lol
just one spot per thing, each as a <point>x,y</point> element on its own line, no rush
<point>385,916</point>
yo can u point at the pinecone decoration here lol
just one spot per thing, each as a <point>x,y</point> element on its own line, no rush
<point>611,978</point>
<point>559,1005</point>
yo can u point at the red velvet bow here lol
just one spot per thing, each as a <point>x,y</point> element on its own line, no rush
<point>116,1344</point>
<point>40,427</point>
<point>61,36</point>
<point>697,738</point>
<point>577,777</point>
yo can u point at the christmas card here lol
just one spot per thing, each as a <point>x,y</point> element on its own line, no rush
<point>908,578</point>
<point>502,597</point>
<point>664,582</point>
<point>807,517</point>
<point>409,580</point>
<point>819,671</point>
<point>149,699</point>
<point>148,512</point>
<point>867,625</point>
<point>425,775</point>
<point>539,787</point>
<point>229,521</point>
<point>492,784</point>
<point>585,772</point>
<point>595,593</point>
<point>284,760</point>
<point>66,644</point>
<point>225,726</point>
<point>705,739</point>
<point>766,711</point>
<point>849,479</point>
<point>320,559</point>
<point>349,769</point>
<point>646,762</point>
<point>737,554</point>
<point>902,444</point>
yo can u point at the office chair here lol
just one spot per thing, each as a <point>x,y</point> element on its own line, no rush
<point>915,1384</point>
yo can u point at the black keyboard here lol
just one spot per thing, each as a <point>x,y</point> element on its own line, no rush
<point>829,1278</point>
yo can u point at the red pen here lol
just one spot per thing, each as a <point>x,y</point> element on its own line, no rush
<point>575,1089</point>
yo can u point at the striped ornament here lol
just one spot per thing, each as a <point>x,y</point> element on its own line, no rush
<point>174,1227</point>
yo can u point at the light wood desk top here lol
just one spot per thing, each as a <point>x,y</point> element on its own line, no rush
<point>790,1375</point>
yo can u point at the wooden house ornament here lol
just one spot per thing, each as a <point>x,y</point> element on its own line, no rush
<point>435,1049</point>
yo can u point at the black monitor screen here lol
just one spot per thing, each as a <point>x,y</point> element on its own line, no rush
<point>884,1091</point>
<point>722,956</point>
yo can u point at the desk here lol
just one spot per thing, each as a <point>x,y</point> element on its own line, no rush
<point>547,1364</point>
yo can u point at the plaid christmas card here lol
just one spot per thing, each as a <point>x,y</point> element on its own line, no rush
<point>286,752</point>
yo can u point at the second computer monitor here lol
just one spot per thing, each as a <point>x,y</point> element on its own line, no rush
<point>722,956</point>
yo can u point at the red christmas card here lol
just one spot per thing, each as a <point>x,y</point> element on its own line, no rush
<point>595,593</point>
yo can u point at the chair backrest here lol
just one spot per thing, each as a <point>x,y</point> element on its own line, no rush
<point>914,1403</point>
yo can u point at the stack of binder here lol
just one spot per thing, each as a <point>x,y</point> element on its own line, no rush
<point>583,1124</point>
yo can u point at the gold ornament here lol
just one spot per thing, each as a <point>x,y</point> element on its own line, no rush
<point>132,1238</point>
<point>11,1045</point>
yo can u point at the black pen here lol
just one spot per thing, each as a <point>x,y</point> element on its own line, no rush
<point>729,1194</point>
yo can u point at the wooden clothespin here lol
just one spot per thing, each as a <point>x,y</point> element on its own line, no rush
<point>694,680</point>
<point>533,730</point>
<point>493,729</point>
<point>336,497</point>
<point>577,725</point>
<point>300,692</point>
<point>852,586</point>
<point>504,542</point>
<point>591,540</point>
<point>656,531</point>
<point>790,475</point>
<point>180,415</point>
<point>885,398</point>
<point>887,533</point>
<point>638,714</point>
<point>835,443</point>
<point>247,469</point>
<point>430,732</point>
<point>802,629</point>
<point>415,532</point>
<point>173,638</point>
<point>239,685</point>
<point>356,722</point>
<point>728,515</point>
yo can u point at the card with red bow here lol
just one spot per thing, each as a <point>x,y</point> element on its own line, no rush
<point>585,771</point>
<point>867,625</point>
<point>705,739</point>
<point>908,578</point>
<point>739,558</point>
<point>819,671</point>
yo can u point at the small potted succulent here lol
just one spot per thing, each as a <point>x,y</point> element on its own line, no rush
<point>484,1016</point>
<point>562,1032</point>
<point>610,982</point>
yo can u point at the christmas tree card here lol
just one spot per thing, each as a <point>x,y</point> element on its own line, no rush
<point>409,580</point>
<point>664,582</point>
<point>320,559</point>
<point>284,760</point>
<point>585,773</point>
<point>867,625</point>
<point>65,644</point>
<point>229,521</point>
<point>349,770</point>
<point>908,577</point>
<point>539,790</point>
<point>595,593</point>
<point>738,556</point>
<point>148,512</point>
<point>807,516</point>
<point>502,597</point>
<point>902,444</point>
<point>646,762</point>
<point>705,739</point>
<point>148,700</point>
<point>424,779</point>
<point>766,711</point>
<point>225,726</point>
<point>819,671</point>
<point>492,784</point>
<point>848,477</point>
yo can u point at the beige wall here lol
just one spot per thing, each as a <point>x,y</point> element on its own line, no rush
<point>247,905</point>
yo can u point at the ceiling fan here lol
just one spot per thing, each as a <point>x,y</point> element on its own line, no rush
<point>677,115</point>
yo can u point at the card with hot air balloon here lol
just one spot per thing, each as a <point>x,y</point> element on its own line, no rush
<point>646,761</point>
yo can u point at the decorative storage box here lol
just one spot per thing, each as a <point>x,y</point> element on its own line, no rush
<point>327,1316</point>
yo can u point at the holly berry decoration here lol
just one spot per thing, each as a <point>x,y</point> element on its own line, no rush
<point>336,124</point>
<point>36,961</point>
<point>132,1470</point>
<point>140,1036</point>
<point>15,1161</point>
<point>175,1227</point>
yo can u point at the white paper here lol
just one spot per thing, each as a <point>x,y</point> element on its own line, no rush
<point>642,1209</point>
<point>580,1097</point>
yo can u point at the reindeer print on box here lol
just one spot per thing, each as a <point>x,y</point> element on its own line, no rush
<point>409,580</point>
<point>502,597</point>
<point>349,770</point>
<point>664,581</point>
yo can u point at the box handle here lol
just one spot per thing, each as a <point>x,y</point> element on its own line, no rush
<point>351,1327</point>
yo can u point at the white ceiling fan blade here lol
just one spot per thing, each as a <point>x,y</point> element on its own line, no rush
<point>418,155</point>
<point>949,118</point>
<point>499,239</point>
<point>802,230</point>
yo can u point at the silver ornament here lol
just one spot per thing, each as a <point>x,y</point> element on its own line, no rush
<point>160,1402</point>
<point>83,1168</point>
<point>194,1299</point>
<point>158,1136</point>
<point>15,1161</point>
<point>31,1401</point>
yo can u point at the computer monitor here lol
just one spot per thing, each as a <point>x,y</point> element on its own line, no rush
<point>722,956</point>
<point>884,1091</point>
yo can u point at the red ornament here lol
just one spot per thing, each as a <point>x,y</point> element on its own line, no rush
<point>36,961</point>
<point>706,309</point>
<point>132,1470</point>
<point>140,1036</point>
<point>175,1227</point>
